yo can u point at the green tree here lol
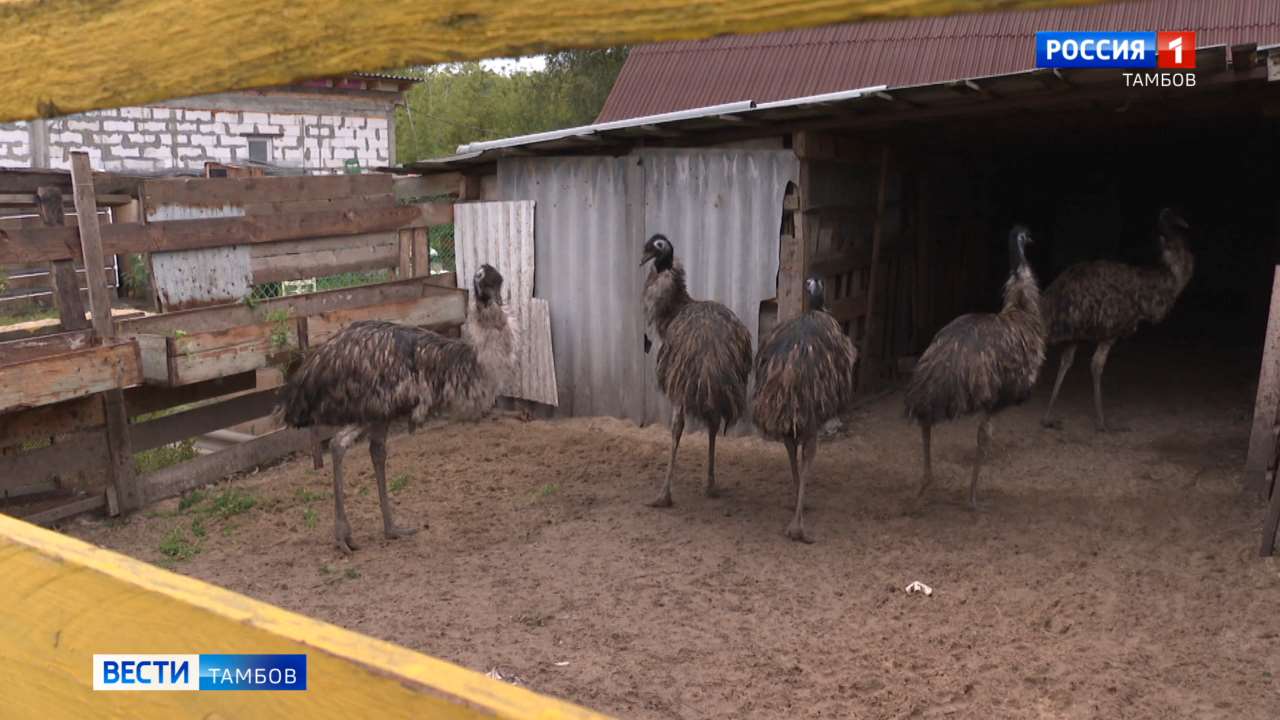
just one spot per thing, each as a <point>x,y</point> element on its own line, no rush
<point>466,102</point>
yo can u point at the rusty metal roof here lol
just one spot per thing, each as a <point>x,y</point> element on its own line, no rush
<point>775,66</point>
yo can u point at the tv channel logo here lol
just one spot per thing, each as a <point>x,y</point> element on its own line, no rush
<point>205,672</point>
<point>1117,50</point>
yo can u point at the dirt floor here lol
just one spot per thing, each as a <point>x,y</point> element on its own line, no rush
<point>1113,576</point>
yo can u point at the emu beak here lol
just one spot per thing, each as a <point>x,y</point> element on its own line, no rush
<point>646,258</point>
<point>1177,220</point>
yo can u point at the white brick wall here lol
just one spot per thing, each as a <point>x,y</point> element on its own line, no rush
<point>155,139</point>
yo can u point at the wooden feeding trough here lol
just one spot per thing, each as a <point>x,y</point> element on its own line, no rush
<point>63,367</point>
<point>196,345</point>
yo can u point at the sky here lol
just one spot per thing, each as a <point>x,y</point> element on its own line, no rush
<point>508,65</point>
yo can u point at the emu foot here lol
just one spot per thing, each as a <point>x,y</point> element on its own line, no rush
<point>662,501</point>
<point>1051,424</point>
<point>795,531</point>
<point>342,537</point>
<point>978,507</point>
<point>392,532</point>
<point>1114,427</point>
<point>712,490</point>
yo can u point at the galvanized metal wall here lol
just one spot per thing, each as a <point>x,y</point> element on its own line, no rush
<point>501,234</point>
<point>722,209</point>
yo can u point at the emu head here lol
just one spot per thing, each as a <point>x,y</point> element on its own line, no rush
<point>487,285</point>
<point>660,251</point>
<point>813,291</point>
<point>1019,239</point>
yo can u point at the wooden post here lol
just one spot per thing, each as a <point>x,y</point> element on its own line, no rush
<point>127,495</point>
<point>1272,522</point>
<point>316,438</point>
<point>869,365</point>
<point>405,268</point>
<point>421,251</point>
<point>62,273</point>
<point>1262,438</point>
<point>793,261</point>
<point>91,243</point>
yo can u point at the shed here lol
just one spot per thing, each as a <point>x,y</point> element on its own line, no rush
<point>903,195</point>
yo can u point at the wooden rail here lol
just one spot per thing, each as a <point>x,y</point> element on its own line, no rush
<point>67,600</point>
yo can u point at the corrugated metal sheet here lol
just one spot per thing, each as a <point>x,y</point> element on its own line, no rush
<point>721,208</point>
<point>502,235</point>
<point>780,65</point>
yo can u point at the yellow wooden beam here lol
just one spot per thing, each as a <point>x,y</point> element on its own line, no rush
<point>65,57</point>
<point>64,600</point>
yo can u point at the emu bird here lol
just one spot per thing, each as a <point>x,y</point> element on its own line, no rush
<point>374,372</point>
<point>804,377</point>
<point>704,359</point>
<point>981,362</point>
<point>1103,301</point>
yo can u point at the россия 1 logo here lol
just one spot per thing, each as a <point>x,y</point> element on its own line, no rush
<point>1116,50</point>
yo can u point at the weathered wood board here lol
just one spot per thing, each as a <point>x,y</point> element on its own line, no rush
<point>301,259</point>
<point>68,599</point>
<point>45,380</point>
<point>428,311</point>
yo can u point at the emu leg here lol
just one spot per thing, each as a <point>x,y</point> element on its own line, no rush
<point>677,430</point>
<point>1064,364</point>
<point>378,454</point>
<point>1098,365</point>
<point>711,490</point>
<point>341,528</point>
<point>926,437</point>
<point>795,530</point>
<point>984,444</point>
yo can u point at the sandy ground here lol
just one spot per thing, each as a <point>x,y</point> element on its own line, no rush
<point>1114,576</point>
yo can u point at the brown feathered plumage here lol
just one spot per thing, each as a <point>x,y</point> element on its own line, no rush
<point>804,376</point>
<point>1103,301</point>
<point>371,373</point>
<point>981,362</point>
<point>704,360</point>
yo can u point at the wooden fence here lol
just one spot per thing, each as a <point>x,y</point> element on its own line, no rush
<point>78,401</point>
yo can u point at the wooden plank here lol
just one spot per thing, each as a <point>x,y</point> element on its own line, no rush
<point>320,263</point>
<point>869,358</point>
<point>1267,401</point>
<point>327,205</point>
<point>404,268</point>
<point>24,199</point>
<point>24,349</point>
<point>421,252</point>
<point>66,510</point>
<point>244,191</point>
<point>52,379</point>
<point>180,426</point>
<point>1270,525</point>
<point>62,273</point>
<point>450,309</point>
<point>147,399</point>
<point>27,181</point>
<point>48,420</point>
<point>81,452</point>
<point>44,281</point>
<point>89,599</point>
<point>312,245</point>
<point>90,243</point>
<point>47,244</point>
<point>433,213</point>
<point>415,188</point>
<point>204,356</point>
<point>222,317</point>
<point>177,479</point>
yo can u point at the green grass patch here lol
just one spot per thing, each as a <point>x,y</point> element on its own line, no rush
<point>149,461</point>
<point>399,483</point>
<point>192,499</point>
<point>197,527</point>
<point>28,315</point>
<point>547,490</point>
<point>176,546</point>
<point>231,502</point>
<point>309,518</point>
<point>306,496</point>
<point>351,573</point>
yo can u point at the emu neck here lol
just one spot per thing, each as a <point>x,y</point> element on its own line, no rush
<point>665,296</point>
<point>489,332</point>
<point>1179,263</point>
<point>1021,293</point>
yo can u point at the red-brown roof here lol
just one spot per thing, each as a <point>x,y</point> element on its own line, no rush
<point>797,63</point>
